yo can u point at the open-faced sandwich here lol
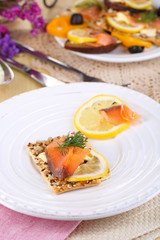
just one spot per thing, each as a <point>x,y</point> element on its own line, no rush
<point>134,6</point>
<point>94,26</point>
<point>68,162</point>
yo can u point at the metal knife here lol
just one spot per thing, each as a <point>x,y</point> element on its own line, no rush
<point>82,75</point>
<point>43,79</point>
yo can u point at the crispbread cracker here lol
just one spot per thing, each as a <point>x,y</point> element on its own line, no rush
<point>57,185</point>
<point>155,40</point>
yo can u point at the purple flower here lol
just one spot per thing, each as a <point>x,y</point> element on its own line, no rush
<point>8,47</point>
<point>3,30</point>
<point>31,11</point>
<point>28,11</point>
<point>25,10</point>
<point>11,14</point>
<point>38,26</point>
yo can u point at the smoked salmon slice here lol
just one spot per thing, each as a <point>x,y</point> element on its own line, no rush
<point>119,114</point>
<point>64,165</point>
<point>91,13</point>
<point>103,39</point>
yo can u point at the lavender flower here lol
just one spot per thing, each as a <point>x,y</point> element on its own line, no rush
<point>8,47</point>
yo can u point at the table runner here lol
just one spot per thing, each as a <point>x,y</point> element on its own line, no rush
<point>17,226</point>
<point>142,223</point>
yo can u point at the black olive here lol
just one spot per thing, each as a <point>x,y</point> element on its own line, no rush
<point>76,19</point>
<point>108,32</point>
<point>158,12</point>
<point>136,49</point>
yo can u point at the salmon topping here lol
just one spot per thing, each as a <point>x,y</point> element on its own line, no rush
<point>64,164</point>
<point>119,114</point>
<point>91,13</point>
<point>103,39</point>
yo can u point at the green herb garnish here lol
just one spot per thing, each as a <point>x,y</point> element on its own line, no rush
<point>87,4</point>
<point>147,17</point>
<point>78,140</point>
<point>2,66</point>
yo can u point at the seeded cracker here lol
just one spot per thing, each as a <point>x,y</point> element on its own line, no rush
<point>57,185</point>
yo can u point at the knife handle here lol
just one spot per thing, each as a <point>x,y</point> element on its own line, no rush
<point>37,76</point>
<point>15,64</point>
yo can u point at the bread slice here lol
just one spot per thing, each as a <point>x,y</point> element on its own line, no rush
<point>119,6</point>
<point>90,47</point>
<point>58,186</point>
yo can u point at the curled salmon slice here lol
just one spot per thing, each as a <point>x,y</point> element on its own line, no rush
<point>119,114</point>
<point>91,13</point>
<point>63,166</point>
<point>103,39</point>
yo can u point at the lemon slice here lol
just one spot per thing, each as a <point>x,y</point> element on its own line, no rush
<point>139,4</point>
<point>91,123</point>
<point>79,36</point>
<point>123,26</point>
<point>93,166</point>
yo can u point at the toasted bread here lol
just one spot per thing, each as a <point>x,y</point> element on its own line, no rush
<point>119,6</point>
<point>57,185</point>
<point>91,48</point>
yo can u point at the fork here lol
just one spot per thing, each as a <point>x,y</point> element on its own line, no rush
<point>84,77</point>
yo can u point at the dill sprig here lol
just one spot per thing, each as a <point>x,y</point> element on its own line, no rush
<point>77,140</point>
<point>148,17</point>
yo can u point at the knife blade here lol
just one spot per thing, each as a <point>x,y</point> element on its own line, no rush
<point>31,51</point>
<point>82,75</point>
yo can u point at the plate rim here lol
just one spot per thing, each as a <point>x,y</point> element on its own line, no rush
<point>122,58</point>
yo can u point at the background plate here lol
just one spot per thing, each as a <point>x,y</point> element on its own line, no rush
<point>133,155</point>
<point>121,54</point>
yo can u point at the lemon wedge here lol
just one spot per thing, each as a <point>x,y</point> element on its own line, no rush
<point>124,26</point>
<point>91,123</point>
<point>93,166</point>
<point>79,36</point>
<point>139,4</point>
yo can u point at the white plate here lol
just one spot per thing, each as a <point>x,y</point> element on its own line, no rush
<point>133,155</point>
<point>121,54</point>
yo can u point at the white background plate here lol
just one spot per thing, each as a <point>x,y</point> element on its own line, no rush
<point>133,155</point>
<point>121,54</point>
